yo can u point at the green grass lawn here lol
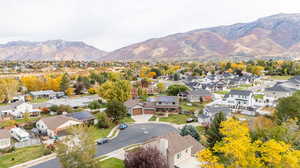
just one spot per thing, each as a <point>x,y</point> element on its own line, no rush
<point>222,92</point>
<point>259,96</point>
<point>127,120</point>
<point>98,133</point>
<point>39,100</point>
<point>112,163</point>
<point>175,118</point>
<point>193,107</point>
<point>277,77</point>
<point>20,156</point>
<point>153,118</point>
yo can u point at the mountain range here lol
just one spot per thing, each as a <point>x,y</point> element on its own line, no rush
<point>272,36</point>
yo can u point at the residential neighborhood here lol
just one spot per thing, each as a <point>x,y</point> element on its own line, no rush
<point>167,114</point>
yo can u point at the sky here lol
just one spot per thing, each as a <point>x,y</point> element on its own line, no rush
<point>112,24</point>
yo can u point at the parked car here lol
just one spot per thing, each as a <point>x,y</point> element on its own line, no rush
<point>102,141</point>
<point>123,126</point>
<point>189,120</point>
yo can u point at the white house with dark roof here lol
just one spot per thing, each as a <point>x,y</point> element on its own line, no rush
<point>176,148</point>
<point>209,113</point>
<point>51,126</point>
<point>18,109</point>
<point>239,99</point>
<point>272,94</point>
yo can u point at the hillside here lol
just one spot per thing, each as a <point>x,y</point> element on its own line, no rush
<point>54,50</point>
<point>273,36</point>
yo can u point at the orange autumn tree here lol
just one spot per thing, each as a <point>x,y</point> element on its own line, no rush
<point>236,150</point>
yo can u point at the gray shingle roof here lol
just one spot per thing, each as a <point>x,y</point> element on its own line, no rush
<point>279,88</point>
<point>240,92</point>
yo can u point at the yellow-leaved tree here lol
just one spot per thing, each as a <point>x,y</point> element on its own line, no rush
<point>236,150</point>
<point>119,90</point>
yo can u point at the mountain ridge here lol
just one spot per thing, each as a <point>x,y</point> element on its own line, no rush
<point>267,37</point>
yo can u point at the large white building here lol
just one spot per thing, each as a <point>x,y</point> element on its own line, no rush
<point>237,99</point>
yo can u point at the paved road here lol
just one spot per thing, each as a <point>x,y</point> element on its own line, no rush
<point>132,135</point>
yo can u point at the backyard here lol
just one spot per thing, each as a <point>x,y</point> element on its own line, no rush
<point>185,106</point>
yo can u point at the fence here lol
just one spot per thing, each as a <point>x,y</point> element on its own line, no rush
<point>30,142</point>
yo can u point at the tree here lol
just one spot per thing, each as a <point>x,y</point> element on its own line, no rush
<point>161,87</point>
<point>173,90</point>
<point>94,105</point>
<point>176,76</point>
<point>70,91</point>
<point>65,82</point>
<point>213,132</point>
<point>78,150</point>
<point>237,150</point>
<point>145,158</point>
<point>116,110</point>
<point>288,108</point>
<point>190,130</point>
<point>103,120</point>
<point>119,90</point>
<point>9,88</point>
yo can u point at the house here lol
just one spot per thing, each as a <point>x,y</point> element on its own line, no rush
<point>237,99</point>
<point>73,102</point>
<point>209,113</point>
<point>176,148</point>
<point>17,110</point>
<point>5,141</point>
<point>51,126</point>
<point>153,105</point>
<point>137,107</point>
<point>49,94</point>
<point>19,134</point>
<point>272,94</point>
<point>84,116</point>
<point>165,103</point>
<point>198,95</point>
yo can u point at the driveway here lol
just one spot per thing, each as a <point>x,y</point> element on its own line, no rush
<point>137,133</point>
<point>141,118</point>
<point>189,163</point>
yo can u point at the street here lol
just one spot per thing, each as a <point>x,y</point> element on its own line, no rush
<point>132,135</point>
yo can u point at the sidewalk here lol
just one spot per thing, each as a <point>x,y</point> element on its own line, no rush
<point>36,161</point>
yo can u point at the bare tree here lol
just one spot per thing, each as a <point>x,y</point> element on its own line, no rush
<point>145,158</point>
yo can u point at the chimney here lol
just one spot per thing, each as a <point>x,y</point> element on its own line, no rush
<point>164,144</point>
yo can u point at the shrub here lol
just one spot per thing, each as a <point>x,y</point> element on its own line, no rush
<point>145,158</point>
<point>103,120</point>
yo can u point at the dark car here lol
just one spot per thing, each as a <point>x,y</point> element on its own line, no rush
<point>102,141</point>
<point>123,126</point>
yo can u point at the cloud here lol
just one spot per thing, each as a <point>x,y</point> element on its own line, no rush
<point>113,24</point>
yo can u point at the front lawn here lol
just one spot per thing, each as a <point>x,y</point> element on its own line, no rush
<point>175,118</point>
<point>98,133</point>
<point>127,120</point>
<point>21,155</point>
<point>153,118</point>
<point>39,100</point>
<point>112,163</point>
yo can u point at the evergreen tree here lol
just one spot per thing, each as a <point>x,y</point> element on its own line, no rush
<point>65,82</point>
<point>213,132</point>
<point>190,130</point>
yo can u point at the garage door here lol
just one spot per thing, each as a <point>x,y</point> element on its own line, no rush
<point>137,111</point>
<point>148,111</point>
